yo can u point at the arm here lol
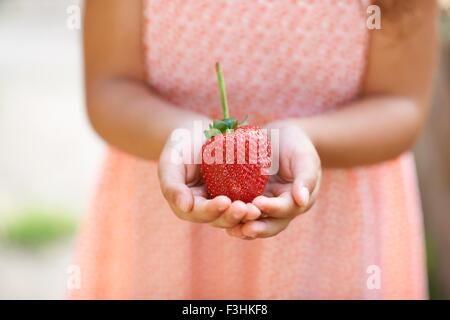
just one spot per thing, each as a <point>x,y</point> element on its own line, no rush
<point>122,109</point>
<point>382,124</point>
<point>120,105</point>
<point>387,118</point>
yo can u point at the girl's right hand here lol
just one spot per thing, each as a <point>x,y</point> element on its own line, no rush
<point>183,188</point>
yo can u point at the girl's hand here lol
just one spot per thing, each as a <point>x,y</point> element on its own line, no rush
<point>183,189</point>
<point>289,193</point>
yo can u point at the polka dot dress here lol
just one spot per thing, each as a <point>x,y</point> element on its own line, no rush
<point>286,58</point>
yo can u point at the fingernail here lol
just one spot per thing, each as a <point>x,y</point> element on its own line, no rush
<point>304,195</point>
<point>259,203</point>
<point>252,235</point>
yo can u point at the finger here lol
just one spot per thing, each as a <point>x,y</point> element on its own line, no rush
<point>205,210</point>
<point>232,216</point>
<point>264,228</point>
<point>237,232</point>
<point>282,206</point>
<point>170,171</point>
<point>305,181</point>
<point>305,195</point>
<point>199,191</point>
<point>179,197</point>
<point>300,194</point>
<point>253,213</point>
<point>274,189</point>
<point>313,195</point>
<point>172,178</point>
<point>193,175</point>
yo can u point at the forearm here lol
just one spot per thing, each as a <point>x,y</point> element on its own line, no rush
<point>127,115</point>
<point>368,131</point>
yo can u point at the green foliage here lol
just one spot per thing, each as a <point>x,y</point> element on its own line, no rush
<point>37,227</point>
<point>445,29</point>
<point>223,126</point>
<point>433,283</point>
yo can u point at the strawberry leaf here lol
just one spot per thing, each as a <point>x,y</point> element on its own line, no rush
<point>230,123</point>
<point>243,122</point>
<point>212,133</point>
<point>220,125</point>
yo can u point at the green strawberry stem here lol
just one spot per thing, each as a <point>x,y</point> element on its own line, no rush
<point>227,124</point>
<point>223,91</point>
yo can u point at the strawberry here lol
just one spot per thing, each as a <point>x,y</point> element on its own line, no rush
<point>234,156</point>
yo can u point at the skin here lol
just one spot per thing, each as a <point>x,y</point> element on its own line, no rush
<point>382,124</point>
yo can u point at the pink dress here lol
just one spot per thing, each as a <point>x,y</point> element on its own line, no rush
<point>281,58</point>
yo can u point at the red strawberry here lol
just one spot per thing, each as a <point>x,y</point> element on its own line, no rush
<point>234,157</point>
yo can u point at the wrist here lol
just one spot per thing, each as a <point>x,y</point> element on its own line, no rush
<point>305,125</point>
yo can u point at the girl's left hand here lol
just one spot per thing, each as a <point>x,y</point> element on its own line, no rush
<point>291,191</point>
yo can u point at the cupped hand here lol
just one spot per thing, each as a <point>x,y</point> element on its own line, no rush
<point>182,187</point>
<point>289,193</point>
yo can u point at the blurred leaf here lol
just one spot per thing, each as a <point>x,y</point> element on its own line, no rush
<point>433,283</point>
<point>244,121</point>
<point>36,227</point>
<point>445,28</point>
